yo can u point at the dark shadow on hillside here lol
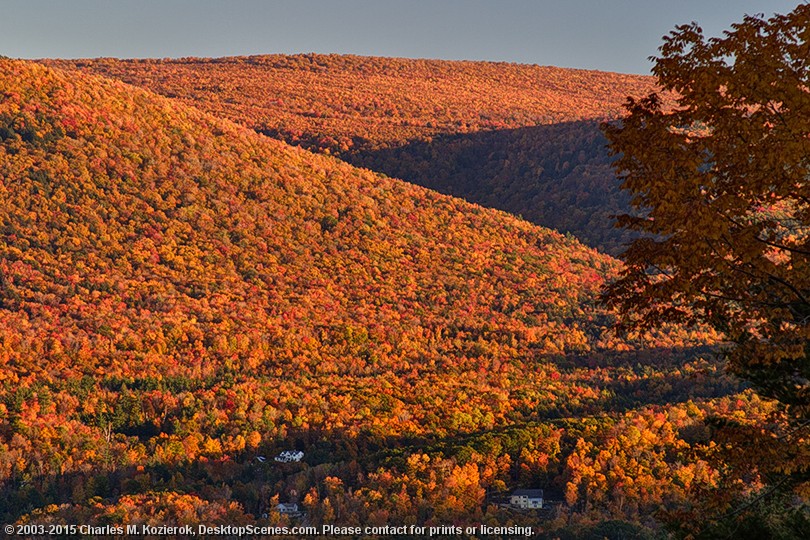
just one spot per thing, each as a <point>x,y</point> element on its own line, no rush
<point>669,376</point>
<point>641,358</point>
<point>628,380</point>
<point>557,176</point>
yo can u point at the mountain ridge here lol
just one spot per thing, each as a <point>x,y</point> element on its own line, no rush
<point>165,229</point>
<point>416,119</point>
<point>317,93</point>
<point>182,298</point>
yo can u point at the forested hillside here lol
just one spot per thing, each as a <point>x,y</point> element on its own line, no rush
<point>181,299</point>
<point>558,175</point>
<point>520,138</point>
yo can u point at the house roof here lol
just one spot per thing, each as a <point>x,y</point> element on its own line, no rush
<point>530,493</point>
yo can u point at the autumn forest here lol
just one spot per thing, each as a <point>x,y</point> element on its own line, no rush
<point>323,290</point>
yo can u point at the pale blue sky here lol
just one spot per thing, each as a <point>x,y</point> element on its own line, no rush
<point>611,35</point>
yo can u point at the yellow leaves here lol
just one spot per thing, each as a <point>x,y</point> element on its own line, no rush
<point>729,205</point>
<point>254,439</point>
<point>803,490</point>
<point>417,462</point>
<point>211,447</point>
<point>205,276</point>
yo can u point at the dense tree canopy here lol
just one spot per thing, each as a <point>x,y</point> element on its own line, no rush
<point>181,296</point>
<point>182,299</point>
<point>721,187</point>
<point>520,138</point>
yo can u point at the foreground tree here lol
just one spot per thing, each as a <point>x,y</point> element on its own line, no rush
<point>721,188</point>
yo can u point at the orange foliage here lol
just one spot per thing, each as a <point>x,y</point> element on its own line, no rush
<point>180,296</point>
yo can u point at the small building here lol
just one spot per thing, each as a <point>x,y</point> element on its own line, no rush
<point>527,498</point>
<point>290,509</point>
<point>289,456</point>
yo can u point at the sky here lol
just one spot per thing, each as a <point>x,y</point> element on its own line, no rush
<point>609,35</point>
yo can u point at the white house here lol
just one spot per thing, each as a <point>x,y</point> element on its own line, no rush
<point>290,509</point>
<point>527,498</point>
<point>289,456</point>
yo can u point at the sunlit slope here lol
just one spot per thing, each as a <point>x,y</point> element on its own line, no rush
<point>344,103</point>
<point>140,236</point>
<point>180,296</point>
<point>520,138</point>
